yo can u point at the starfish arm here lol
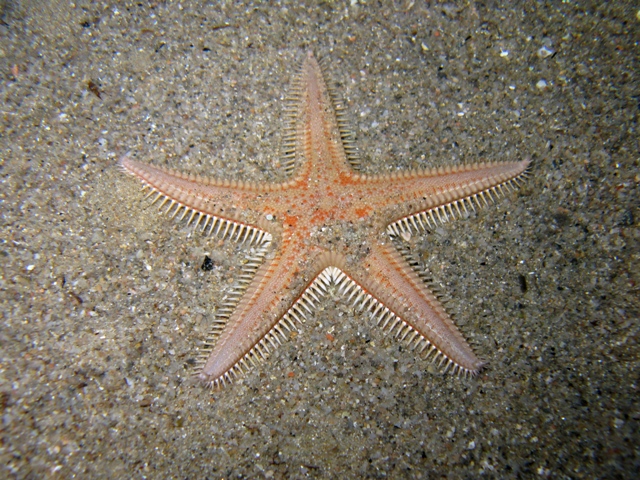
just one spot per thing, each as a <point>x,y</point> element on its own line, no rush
<point>422,196</point>
<point>401,302</point>
<point>320,135</point>
<point>318,127</point>
<point>228,208</point>
<point>283,289</point>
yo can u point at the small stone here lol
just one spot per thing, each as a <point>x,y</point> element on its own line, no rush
<point>542,84</point>
<point>544,52</point>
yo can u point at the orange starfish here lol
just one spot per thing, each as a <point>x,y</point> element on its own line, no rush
<point>326,224</point>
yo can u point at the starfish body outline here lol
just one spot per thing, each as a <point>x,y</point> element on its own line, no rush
<point>304,228</point>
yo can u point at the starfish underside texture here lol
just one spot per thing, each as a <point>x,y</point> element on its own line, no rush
<point>326,224</point>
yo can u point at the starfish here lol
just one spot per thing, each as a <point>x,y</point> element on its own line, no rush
<point>326,224</point>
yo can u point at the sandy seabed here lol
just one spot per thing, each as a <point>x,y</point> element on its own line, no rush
<point>105,307</point>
